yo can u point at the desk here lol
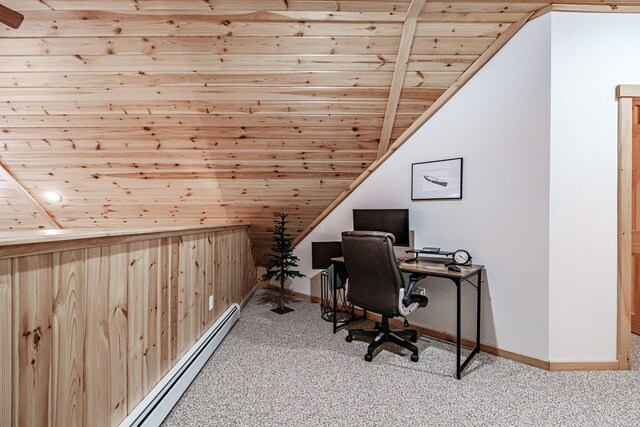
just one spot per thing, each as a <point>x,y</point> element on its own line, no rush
<point>331,307</point>
<point>437,268</point>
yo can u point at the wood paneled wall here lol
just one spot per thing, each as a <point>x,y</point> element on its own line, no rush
<point>87,333</point>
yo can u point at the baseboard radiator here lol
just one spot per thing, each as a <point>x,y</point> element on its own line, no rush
<point>155,407</point>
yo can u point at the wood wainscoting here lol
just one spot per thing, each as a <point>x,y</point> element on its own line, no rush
<point>626,95</point>
<point>87,332</point>
<point>635,218</point>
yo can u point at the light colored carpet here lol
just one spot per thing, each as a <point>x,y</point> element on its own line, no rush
<point>291,370</point>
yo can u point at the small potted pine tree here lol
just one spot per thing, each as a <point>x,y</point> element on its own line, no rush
<point>282,261</point>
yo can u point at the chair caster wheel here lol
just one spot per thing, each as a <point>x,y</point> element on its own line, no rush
<point>368,357</point>
<point>414,358</point>
<point>348,338</point>
<point>413,339</point>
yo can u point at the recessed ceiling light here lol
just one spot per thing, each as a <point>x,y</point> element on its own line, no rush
<point>52,196</point>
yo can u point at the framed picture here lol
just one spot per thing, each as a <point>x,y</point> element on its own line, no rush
<point>438,179</point>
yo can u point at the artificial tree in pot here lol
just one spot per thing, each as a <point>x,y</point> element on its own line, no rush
<point>282,261</point>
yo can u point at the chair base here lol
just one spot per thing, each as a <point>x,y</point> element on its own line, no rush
<point>382,333</point>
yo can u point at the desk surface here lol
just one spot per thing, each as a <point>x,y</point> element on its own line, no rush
<point>434,268</point>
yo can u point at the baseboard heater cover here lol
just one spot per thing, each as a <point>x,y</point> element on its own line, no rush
<point>155,407</point>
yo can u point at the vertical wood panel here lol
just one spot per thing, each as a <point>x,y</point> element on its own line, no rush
<point>217,276</point>
<point>191,289</point>
<point>144,319</point>
<point>68,322</point>
<point>151,355</point>
<point>186,288</point>
<point>233,267</point>
<point>164,305</point>
<point>242,256</point>
<point>635,220</point>
<point>97,379</point>
<point>199,287</point>
<point>625,261</point>
<point>118,320</point>
<point>209,267</point>
<point>33,278</point>
<point>237,266</point>
<point>6,358</point>
<point>228,266</point>
<point>635,165</point>
<point>221,273</point>
<point>106,336</point>
<point>174,297</point>
<point>137,279</point>
<point>249,272</point>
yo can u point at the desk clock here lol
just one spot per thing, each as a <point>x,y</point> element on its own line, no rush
<point>461,257</point>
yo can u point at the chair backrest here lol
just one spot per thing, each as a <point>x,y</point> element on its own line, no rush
<point>374,277</point>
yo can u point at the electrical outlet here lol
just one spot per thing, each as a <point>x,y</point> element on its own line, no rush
<point>210,302</point>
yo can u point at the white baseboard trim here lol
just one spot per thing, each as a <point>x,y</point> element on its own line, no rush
<point>155,407</point>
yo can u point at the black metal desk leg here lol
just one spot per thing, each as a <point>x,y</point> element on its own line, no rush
<point>476,349</point>
<point>335,298</point>
<point>458,328</point>
<point>478,306</point>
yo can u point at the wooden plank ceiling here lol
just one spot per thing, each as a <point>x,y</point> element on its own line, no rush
<point>149,112</point>
<point>17,212</point>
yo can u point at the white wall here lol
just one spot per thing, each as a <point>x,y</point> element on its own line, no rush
<point>537,128</point>
<point>499,124</point>
<point>591,55</point>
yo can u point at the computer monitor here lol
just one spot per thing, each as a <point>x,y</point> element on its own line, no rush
<point>322,252</point>
<point>394,221</point>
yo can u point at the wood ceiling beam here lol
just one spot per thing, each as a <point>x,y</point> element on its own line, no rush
<point>399,73</point>
<point>585,7</point>
<point>20,188</point>
<point>10,17</point>
<point>448,94</point>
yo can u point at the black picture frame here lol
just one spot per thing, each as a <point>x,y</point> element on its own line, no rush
<point>437,180</point>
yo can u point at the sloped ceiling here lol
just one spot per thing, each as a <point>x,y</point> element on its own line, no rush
<point>149,112</point>
<point>17,212</point>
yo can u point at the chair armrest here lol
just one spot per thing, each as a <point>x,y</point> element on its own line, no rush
<point>408,302</point>
<point>413,279</point>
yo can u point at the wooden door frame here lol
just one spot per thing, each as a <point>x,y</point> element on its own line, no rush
<point>625,95</point>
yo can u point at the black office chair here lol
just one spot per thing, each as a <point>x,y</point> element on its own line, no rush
<point>376,284</point>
